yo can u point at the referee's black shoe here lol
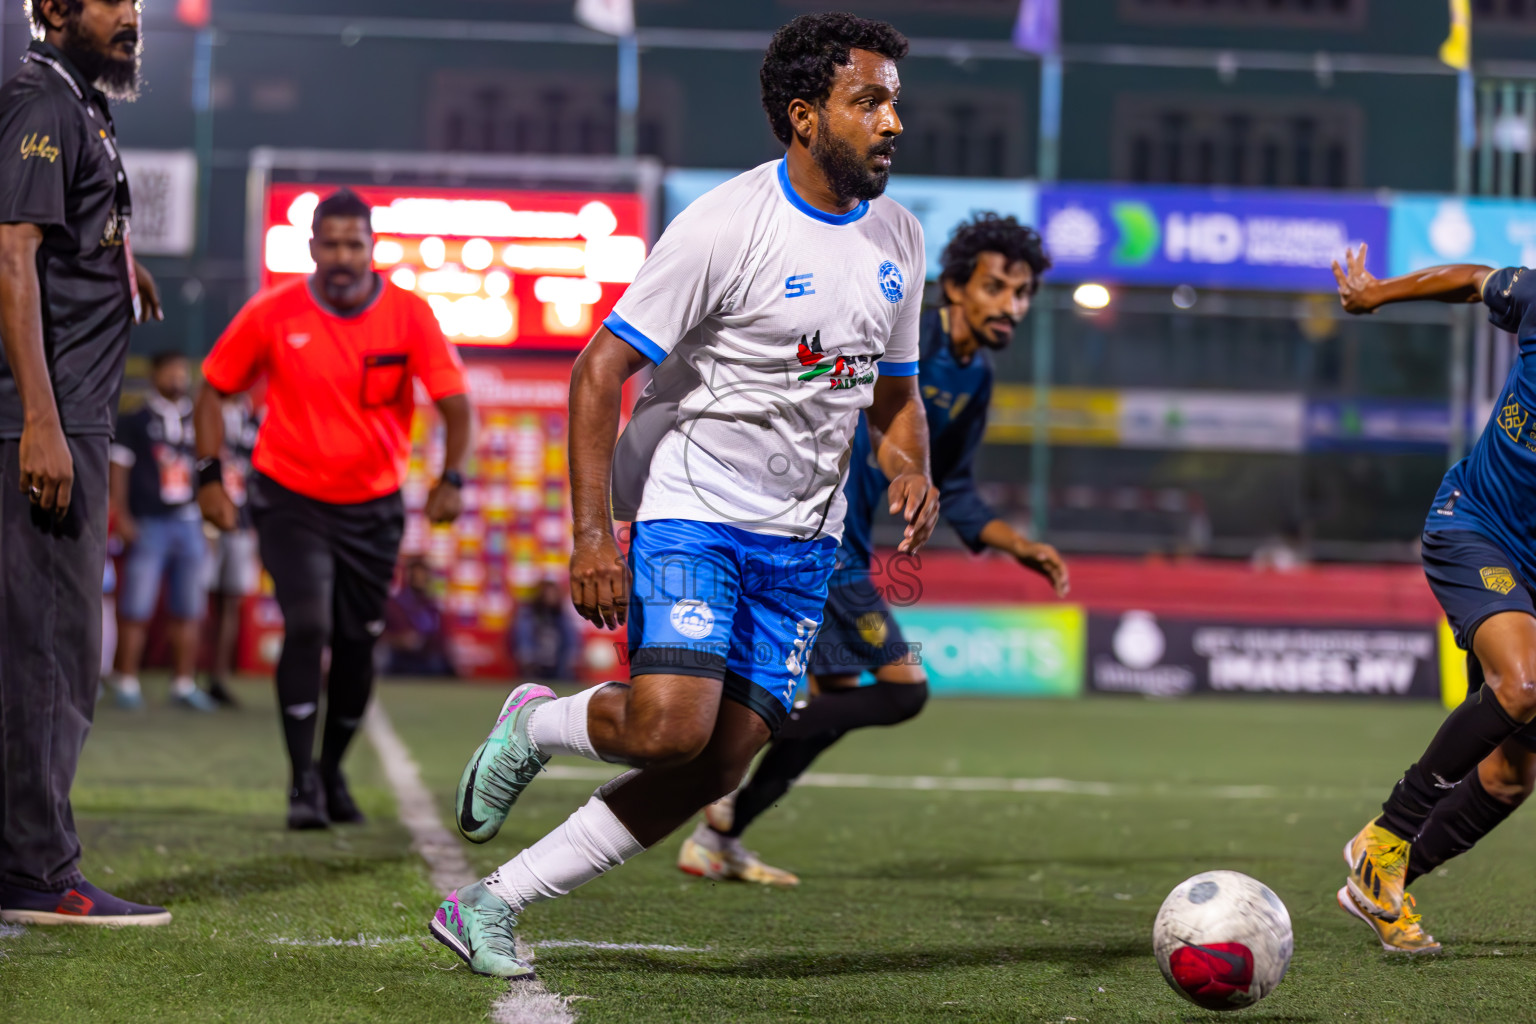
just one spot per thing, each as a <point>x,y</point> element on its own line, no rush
<point>339,804</point>
<point>306,803</point>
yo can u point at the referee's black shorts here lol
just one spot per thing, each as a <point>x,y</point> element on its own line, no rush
<point>332,565</point>
<point>1475,579</point>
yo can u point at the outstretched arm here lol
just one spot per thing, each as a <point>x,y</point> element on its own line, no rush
<point>1361,292</point>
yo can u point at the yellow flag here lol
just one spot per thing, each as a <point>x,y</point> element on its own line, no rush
<point>1457,48</point>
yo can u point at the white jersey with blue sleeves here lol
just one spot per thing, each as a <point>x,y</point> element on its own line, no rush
<point>769,322</point>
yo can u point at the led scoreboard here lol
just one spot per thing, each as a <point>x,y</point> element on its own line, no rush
<point>501,269</point>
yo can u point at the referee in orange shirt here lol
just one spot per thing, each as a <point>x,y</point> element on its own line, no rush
<point>339,351</point>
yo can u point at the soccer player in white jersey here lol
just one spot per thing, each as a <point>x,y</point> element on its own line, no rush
<point>775,308</point>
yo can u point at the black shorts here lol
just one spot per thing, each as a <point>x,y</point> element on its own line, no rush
<point>858,632</point>
<point>1474,579</point>
<point>331,565</point>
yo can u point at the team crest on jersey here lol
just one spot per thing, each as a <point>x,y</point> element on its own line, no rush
<point>1512,418</point>
<point>1497,578</point>
<point>841,372</point>
<point>892,284</point>
<point>693,619</point>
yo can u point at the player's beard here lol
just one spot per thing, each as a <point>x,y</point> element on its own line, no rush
<point>117,78</point>
<point>848,174</point>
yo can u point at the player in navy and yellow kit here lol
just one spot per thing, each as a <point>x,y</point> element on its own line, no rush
<point>1480,556</point>
<point>991,269</point>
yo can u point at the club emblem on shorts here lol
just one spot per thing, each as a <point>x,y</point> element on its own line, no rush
<point>694,619</point>
<point>872,628</point>
<point>1512,418</point>
<point>892,284</point>
<point>1497,578</point>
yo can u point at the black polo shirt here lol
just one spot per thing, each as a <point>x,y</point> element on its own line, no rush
<point>60,170</point>
<point>157,445</point>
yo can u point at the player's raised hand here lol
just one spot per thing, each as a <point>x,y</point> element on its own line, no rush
<point>1355,282</point>
<point>915,499</point>
<point>1047,561</point>
<point>600,581</point>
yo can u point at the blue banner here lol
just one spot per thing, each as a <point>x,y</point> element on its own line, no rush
<point>1383,425</point>
<point>1430,230</point>
<point>940,204</point>
<point>1265,241</point>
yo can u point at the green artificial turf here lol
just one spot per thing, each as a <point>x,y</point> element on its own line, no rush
<point>915,905</point>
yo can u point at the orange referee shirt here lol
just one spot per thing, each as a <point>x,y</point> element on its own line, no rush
<point>339,394</point>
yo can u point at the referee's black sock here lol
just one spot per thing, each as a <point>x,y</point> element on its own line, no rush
<point>1469,734</point>
<point>350,685</point>
<point>298,690</point>
<point>813,729</point>
<point>1456,825</point>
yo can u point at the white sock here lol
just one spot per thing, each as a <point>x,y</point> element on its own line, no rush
<point>125,684</point>
<point>590,842</point>
<point>560,726</point>
<point>182,685</point>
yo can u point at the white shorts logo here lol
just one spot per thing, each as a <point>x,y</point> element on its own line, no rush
<point>694,619</point>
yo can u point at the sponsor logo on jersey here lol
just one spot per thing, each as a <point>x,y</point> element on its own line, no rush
<point>1512,418</point>
<point>798,285</point>
<point>693,619</point>
<point>892,285</point>
<point>1498,578</point>
<point>298,340</point>
<point>841,372</point>
<point>40,146</point>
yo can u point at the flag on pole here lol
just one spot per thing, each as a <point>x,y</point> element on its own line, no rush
<point>196,13</point>
<point>1457,48</point>
<point>615,17</point>
<point>1038,29</point>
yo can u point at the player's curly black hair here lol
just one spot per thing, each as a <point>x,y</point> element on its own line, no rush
<point>989,232</point>
<point>806,53</point>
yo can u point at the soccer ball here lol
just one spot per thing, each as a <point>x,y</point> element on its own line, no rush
<point>1223,940</point>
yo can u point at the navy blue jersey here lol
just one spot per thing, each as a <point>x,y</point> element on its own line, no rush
<point>955,398</point>
<point>1491,491</point>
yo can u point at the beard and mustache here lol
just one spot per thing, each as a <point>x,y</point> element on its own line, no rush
<point>848,172</point>
<point>116,77</point>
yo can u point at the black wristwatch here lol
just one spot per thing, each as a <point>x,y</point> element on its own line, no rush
<point>453,478</point>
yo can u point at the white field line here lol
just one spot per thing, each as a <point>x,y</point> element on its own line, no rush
<point>972,784</point>
<point>524,1002</point>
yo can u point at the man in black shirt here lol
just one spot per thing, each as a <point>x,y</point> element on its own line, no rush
<point>155,513</point>
<point>69,291</point>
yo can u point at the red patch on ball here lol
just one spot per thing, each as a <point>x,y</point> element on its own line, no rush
<point>1216,976</point>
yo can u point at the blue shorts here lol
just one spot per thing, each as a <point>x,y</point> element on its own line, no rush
<point>860,634</point>
<point>715,601</point>
<point>1474,579</point>
<point>168,550</point>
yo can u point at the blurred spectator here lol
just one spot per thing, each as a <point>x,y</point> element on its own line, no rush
<point>413,627</point>
<point>544,637</point>
<point>155,513</point>
<point>234,567</point>
<point>1285,552</point>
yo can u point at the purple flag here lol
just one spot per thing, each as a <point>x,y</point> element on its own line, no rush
<point>1039,26</point>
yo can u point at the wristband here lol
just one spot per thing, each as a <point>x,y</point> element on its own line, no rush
<point>210,471</point>
<point>453,478</point>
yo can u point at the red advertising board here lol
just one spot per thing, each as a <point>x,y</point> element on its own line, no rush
<point>502,268</point>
